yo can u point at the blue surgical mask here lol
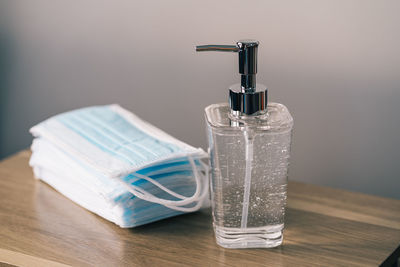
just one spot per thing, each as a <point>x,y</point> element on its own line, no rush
<point>129,171</point>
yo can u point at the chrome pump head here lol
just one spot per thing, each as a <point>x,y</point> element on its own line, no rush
<point>247,97</point>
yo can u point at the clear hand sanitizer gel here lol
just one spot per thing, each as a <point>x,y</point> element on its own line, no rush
<point>249,141</point>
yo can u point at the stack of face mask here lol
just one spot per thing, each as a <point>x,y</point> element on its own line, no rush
<point>118,166</point>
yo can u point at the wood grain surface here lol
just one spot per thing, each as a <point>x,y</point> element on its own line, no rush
<point>324,227</point>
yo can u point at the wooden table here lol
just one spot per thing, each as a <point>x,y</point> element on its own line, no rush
<point>324,227</point>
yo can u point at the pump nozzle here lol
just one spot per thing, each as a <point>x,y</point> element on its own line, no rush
<point>247,60</point>
<point>223,48</point>
<point>247,99</point>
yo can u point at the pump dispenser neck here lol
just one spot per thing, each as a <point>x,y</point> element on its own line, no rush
<point>248,63</point>
<point>248,98</point>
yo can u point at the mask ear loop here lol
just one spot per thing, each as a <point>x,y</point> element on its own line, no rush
<point>198,196</point>
<point>185,200</point>
<point>176,205</point>
<point>172,193</point>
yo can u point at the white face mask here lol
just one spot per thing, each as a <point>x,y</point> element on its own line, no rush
<point>121,153</point>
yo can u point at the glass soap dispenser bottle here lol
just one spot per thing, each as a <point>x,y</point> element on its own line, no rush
<point>249,144</point>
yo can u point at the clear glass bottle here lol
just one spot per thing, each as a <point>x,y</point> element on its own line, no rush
<point>249,145</point>
<point>249,159</point>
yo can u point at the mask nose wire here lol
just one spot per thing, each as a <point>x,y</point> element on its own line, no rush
<point>198,196</point>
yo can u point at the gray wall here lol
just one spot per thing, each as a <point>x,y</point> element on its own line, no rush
<point>335,64</point>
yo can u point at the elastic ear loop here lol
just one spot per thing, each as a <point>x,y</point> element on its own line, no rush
<point>173,204</point>
<point>185,200</point>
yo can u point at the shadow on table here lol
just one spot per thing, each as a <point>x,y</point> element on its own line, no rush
<point>191,224</point>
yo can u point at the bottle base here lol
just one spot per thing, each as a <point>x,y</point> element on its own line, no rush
<point>253,237</point>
